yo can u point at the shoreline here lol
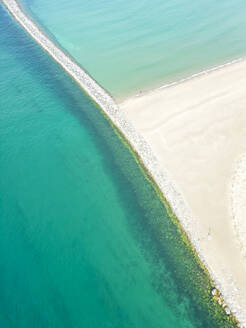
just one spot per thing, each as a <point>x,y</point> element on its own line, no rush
<point>160,175</point>
<point>199,74</point>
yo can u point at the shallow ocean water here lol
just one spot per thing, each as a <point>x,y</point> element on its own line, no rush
<point>85,240</point>
<point>128,46</point>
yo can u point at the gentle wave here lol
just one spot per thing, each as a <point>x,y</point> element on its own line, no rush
<point>207,71</point>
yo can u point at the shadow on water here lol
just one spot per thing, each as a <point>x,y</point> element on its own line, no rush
<point>160,238</point>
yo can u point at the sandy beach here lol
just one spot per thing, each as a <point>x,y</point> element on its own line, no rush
<point>197,131</point>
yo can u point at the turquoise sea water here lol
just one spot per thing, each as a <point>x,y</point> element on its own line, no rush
<point>85,240</point>
<point>134,45</point>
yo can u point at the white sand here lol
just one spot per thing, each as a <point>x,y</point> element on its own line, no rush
<point>197,130</point>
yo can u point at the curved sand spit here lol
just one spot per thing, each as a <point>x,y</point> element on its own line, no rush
<point>197,130</point>
<point>225,283</point>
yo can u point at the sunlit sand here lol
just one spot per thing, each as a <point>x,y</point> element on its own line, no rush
<point>197,131</point>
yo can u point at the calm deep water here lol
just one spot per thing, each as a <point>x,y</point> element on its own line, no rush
<point>85,241</point>
<point>133,45</point>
